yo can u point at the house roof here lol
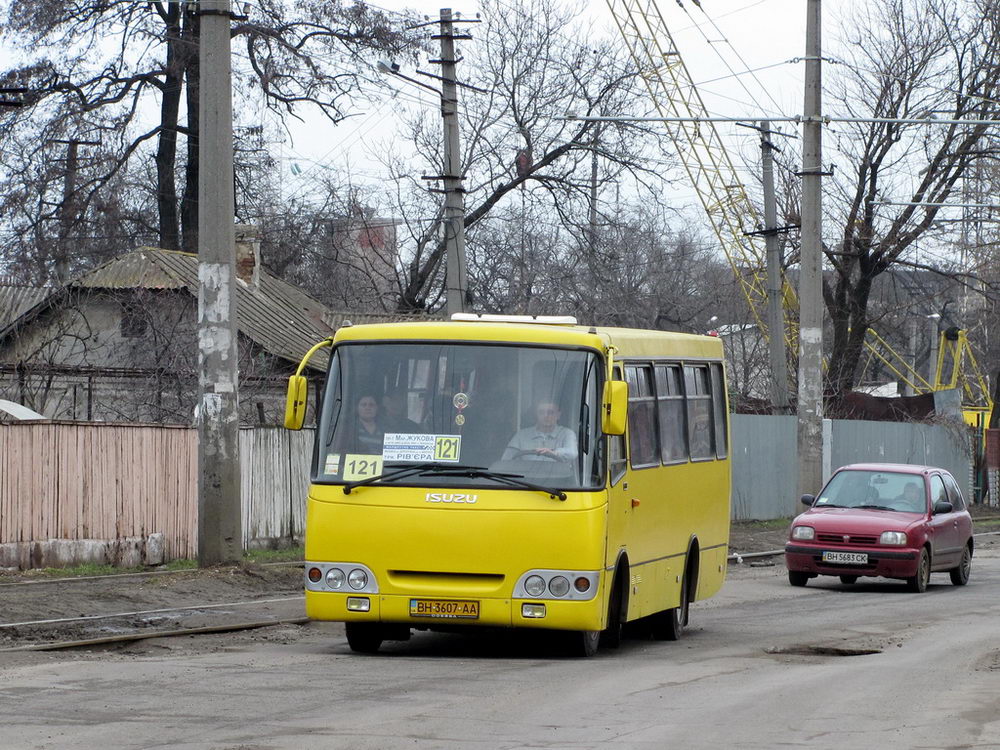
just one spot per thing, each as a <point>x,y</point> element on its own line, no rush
<point>16,300</point>
<point>277,316</point>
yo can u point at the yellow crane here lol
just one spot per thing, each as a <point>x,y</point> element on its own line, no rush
<point>734,217</point>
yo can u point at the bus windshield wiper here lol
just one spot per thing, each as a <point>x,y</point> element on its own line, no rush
<point>406,471</point>
<point>511,480</point>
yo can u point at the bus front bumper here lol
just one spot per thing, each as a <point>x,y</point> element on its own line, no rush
<point>492,612</point>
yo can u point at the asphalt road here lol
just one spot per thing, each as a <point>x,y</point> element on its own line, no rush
<point>763,665</point>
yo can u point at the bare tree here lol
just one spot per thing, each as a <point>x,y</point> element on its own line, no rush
<point>905,59</point>
<point>93,66</point>
<point>535,61</point>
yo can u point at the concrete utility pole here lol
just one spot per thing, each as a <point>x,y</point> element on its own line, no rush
<point>454,193</point>
<point>775,310</point>
<point>220,537</point>
<point>810,402</point>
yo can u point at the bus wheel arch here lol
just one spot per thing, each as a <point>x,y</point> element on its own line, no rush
<point>618,596</point>
<point>669,624</point>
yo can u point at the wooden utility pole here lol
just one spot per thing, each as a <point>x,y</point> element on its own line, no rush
<point>775,307</point>
<point>220,537</point>
<point>67,207</point>
<point>810,401</point>
<point>454,200</point>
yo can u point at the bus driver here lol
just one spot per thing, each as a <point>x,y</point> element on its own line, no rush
<point>547,439</point>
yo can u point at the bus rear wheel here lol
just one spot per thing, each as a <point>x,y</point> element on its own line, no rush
<point>364,637</point>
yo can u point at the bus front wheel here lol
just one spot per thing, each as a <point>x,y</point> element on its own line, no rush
<point>588,642</point>
<point>364,637</point>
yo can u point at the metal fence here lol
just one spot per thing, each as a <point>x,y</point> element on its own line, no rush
<point>765,473</point>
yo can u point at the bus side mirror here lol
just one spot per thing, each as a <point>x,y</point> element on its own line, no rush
<point>614,407</point>
<point>295,402</point>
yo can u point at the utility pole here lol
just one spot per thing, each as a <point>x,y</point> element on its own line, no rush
<point>775,310</point>
<point>454,200</point>
<point>220,537</point>
<point>810,401</point>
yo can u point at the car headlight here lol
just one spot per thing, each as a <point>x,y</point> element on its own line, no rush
<point>803,533</point>
<point>892,537</point>
<point>534,585</point>
<point>358,579</point>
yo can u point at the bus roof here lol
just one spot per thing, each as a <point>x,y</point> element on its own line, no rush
<point>630,342</point>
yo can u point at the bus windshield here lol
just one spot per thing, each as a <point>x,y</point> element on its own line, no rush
<point>479,415</point>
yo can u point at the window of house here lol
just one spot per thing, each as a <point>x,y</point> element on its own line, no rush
<point>133,322</point>
<point>699,411</point>
<point>671,413</point>
<point>719,409</point>
<point>643,448</point>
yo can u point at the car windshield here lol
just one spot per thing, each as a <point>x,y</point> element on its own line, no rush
<point>486,415</point>
<point>878,490</point>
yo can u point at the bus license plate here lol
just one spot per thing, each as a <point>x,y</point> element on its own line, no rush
<point>857,558</point>
<point>451,608</point>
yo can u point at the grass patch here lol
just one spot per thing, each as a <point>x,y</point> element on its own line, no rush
<point>290,554</point>
<point>83,570</point>
<point>180,565</point>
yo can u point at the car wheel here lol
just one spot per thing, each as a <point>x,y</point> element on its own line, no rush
<point>848,579</point>
<point>364,637</point>
<point>797,577</point>
<point>918,583</point>
<point>960,575</point>
<point>668,625</point>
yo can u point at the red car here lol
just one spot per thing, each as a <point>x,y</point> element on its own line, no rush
<point>888,520</point>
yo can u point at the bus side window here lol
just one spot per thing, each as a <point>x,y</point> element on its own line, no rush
<point>616,448</point>
<point>719,410</point>
<point>699,411</point>
<point>670,410</point>
<point>642,442</point>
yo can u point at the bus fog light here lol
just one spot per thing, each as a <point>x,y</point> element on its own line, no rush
<point>533,610</point>
<point>358,579</point>
<point>534,585</point>
<point>358,604</point>
<point>581,584</point>
<point>315,575</point>
<point>559,586</point>
<point>335,578</point>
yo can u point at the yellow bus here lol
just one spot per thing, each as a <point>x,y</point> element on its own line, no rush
<point>515,472</point>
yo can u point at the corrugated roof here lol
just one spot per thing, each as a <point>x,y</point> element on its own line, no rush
<point>280,318</point>
<point>16,300</point>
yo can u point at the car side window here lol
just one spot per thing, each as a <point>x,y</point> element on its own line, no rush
<point>938,492</point>
<point>954,493</point>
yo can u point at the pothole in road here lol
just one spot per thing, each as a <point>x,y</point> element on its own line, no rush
<point>807,650</point>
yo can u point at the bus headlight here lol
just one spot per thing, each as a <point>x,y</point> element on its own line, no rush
<point>559,586</point>
<point>358,579</point>
<point>534,585</point>
<point>335,578</point>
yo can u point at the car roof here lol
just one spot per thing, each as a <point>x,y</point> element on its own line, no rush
<point>900,468</point>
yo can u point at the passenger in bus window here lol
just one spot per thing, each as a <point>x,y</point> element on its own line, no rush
<point>394,412</point>
<point>369,434</point>
<point>547,439</point>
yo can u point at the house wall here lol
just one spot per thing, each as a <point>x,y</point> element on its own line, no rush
<point>128,357</point>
